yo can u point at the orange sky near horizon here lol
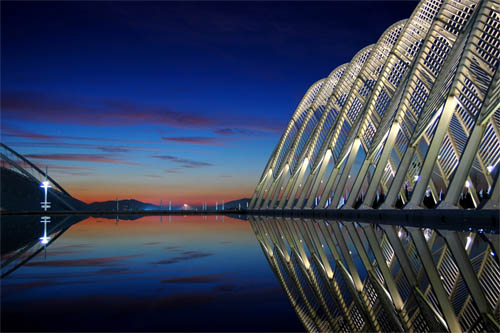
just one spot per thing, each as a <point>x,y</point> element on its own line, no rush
<point>97,192</point>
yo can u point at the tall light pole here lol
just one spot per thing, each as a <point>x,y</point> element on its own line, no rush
<point>45,205</point>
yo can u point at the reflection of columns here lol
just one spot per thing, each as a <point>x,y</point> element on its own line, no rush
<point>339,189</point>
<point>358,183</point>
<point>400,254</point>
<point>382,293</point>
<point>399,179</point>
<point>352,281</point>
<point>427,309</point>
<point>381,165</point>
<point>298,183</point>
<point>470,278</point>
<point>319,179</point>
<point>273,258</point>
<point>433,151</point>
<point>388,278</point>
<point>434,279</point>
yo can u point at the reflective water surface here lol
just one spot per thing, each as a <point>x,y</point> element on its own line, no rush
<point>146,274</point>
<point>213,273</point>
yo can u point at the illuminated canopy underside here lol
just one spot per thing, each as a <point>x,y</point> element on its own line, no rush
<point>412,119</point>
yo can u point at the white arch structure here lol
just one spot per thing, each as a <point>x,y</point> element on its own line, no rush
<point>413,120</point>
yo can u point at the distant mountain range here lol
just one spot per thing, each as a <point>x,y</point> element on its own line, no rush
<point>132,204</point>
<point>127,204</point>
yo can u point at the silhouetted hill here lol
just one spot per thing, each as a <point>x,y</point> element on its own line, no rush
<point>20,193</point>
<point>127,204</point>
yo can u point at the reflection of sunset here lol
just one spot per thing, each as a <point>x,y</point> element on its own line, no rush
<point>154,273</point>
<point>158,227</point>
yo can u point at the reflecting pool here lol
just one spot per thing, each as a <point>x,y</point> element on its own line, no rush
<point>144,274</point>
<point>215,273</point>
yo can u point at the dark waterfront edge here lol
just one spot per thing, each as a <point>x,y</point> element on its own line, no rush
<point>487,219</point>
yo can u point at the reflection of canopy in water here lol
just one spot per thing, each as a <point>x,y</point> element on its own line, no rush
<point>364,277</point>
<point>418,110</point>
<point>27,242</point>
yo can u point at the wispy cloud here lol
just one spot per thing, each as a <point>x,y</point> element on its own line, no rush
<point>195,279</point>
<point>53,140</point>
<point>196,140</point>
<point>83,110</point>
<point>53,167</point>
<point>183,162</point>
<point>238,131</point>
<point>184,256</point>
<point>71,145</point>
<point>16,132</point>
<point>103,261</point>
<point>95,158</point>
<point>89,111</point>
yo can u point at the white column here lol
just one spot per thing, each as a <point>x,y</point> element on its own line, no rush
<point>318,180</point>
<point>358,183</point>
<point>432,153</point>
<point>328,188</point>
<point>462,172</point>
<point>339,189</point>
<point>298,183</point>
<point>382,163</point>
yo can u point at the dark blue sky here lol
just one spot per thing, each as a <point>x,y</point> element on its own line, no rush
<point>153,95</point>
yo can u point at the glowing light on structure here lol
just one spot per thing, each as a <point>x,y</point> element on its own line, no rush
<point>44,240</point>
<point>467,184</point>
<point>416,178</point>
<point>469,242</point>
<point>427,234</point>
<point>490,168</point>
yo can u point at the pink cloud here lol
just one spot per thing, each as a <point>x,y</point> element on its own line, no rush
<point>195,140</point>
<point>50,108</point>
<point>104,261</point>
<point>184,162</point>
<point>96,158</point>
